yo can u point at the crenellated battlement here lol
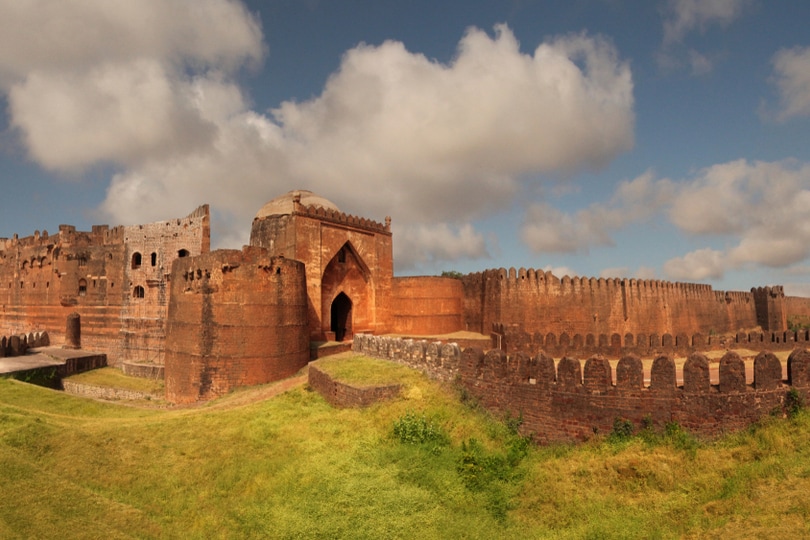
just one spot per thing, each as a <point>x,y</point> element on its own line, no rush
<point>349,220</point>
<point>569,401</point>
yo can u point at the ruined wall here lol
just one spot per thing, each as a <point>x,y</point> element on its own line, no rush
<point>340,394</point>
<point>44,278</point>
<point>150,251</point>
<point>427,305</point>
<point>236,318</point>
<point>566,401</point>
<point>538,301</point>
<point>317,237</point>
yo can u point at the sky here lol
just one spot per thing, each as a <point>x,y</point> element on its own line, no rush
<point>643,139</point>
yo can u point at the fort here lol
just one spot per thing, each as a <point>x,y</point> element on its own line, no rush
<point>157,300</point>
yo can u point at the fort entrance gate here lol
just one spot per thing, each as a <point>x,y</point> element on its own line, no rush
<point>341,317</point>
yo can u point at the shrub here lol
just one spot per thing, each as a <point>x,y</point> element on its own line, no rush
<point>413,429</point>
<point>793,403</point>
<point>622,429</point>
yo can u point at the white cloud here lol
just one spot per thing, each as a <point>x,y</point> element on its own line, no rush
<point>797,289</point>
<point>546,229</point>
<point>615,272</point>
<point>698,265</point>
<point>451,140</point>
<point>92,82</point>
<point>560,271</point>
<point>762,207</point>
<point>765,206</point>
<point>645,272</point>
<point>681,17</point>
<point>149,87</point>
<point>792,79</point>
<point>684,16</point>
<point>392,132</point>
<point>421,246</point>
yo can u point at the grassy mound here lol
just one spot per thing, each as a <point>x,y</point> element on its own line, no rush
<point>422,466</point>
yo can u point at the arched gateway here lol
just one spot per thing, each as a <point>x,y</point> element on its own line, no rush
<point>348,262</point>
<point>341,317</point>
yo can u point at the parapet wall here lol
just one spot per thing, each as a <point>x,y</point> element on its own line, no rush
<point>511,339</point>
<point>568,402</point>
<point>19,345</point>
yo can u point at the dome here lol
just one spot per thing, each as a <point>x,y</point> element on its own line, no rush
<point>284,204</point>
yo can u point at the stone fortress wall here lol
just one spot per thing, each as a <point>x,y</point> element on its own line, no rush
<point>115,278</point>
<point>155,294</point>
<point>235,318</point>
<point>538,301</point>
<point>564,401</point>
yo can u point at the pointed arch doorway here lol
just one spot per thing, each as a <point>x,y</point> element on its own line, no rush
<point>341,316</point>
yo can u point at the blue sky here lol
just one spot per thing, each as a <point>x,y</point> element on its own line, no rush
<point>660,140</point>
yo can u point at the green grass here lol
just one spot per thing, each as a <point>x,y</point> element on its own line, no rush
<point>294,467</point>
<point>115,378</point>
<point>364,371</point>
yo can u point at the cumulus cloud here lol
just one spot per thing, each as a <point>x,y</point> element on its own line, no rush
<point>684,16</point>
<point>791,76</point>
<point>94,82</point>
<point>681,17</point>
<point>419,246</point>
<point>763,208</point>
<point>698,265</point>
<point>547,229</point>
<point>149,87</point>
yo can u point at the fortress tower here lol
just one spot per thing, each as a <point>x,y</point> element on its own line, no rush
<point>348,262</point>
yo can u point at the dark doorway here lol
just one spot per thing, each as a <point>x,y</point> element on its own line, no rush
<point>341,316</point>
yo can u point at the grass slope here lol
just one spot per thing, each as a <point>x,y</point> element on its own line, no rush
<point>293,467</point>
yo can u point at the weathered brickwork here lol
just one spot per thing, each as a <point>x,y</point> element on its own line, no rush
<point>567,401</point>
<point>104,392</point>
<point>511,339</point>
<point>44,278</point>
<point>427,305</point>
<point>538,301</point>
<point>343,395</point>
<point>19,345</point>
<point>344,256</point>
<point>236,318</point>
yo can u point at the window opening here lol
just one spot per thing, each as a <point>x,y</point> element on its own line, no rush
<point>138,292</point>
<point>136,260</point>
<point>82,287</point>
<point>154,259</point>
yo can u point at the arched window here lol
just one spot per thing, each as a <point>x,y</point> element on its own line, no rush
<point>154,259</point>
<point>136,260</point>
<point>82,287</point>
<point>183,253</point>
<point>138,292</point>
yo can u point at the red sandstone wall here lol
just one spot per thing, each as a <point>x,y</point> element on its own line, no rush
<point>340,394</point>
<point>567,401</point>
<point>540,302</point>
<point>427,305</point>
<point>315,236</point>
<point>571,402</point>
<point>44,278</point>
<point>798,308</point>
<point>236,318</point>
